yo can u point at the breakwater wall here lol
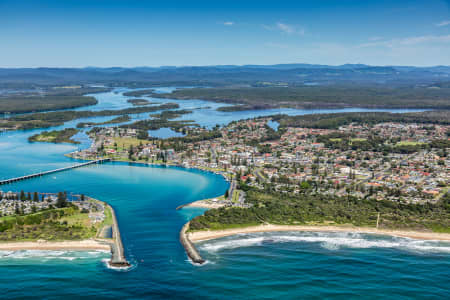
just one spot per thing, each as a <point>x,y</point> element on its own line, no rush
<point>189,247</point>
<point>117,253</point>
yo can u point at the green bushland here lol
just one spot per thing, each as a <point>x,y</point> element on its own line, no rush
<point>56,136</point>
<point>119,119</point>
<point>171,114</point>
<point>334,121</point>
<point>42,120</point>
<point>308,209</point>
<point>139,93</point>
<point>42,103</point>
<point>318,96</point>
<point>139,102</point>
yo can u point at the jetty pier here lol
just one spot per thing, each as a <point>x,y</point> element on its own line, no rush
<point>11,180</point>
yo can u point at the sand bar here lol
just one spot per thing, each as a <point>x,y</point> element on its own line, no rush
<point>64,245</point>
<point>202,204</point>
<point>213,234</point>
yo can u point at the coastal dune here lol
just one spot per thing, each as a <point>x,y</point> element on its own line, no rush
<point>214,234</point>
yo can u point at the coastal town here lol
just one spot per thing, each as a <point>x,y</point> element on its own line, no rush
<point>402,162</point>
<point>21,203</point>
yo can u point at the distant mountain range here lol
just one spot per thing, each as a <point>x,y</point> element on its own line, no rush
<point>291,74</point>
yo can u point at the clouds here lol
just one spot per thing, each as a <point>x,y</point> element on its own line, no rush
<point>228,23</point>
<point>443,23</point>
<point>285,28</point>
<point>407,41</point>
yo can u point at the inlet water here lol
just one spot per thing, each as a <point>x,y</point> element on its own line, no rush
<point>256,266</point>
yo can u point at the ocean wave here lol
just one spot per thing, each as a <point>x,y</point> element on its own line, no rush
<point>49,254</point>
<point>106,261</point>
<point>197,264</point>
<point>328,240</point>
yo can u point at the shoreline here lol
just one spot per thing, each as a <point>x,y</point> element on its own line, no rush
<point>82,245</point>
<point>198,236</point>
<point>201,204</point>
<point>221,173</point>
<point>113,245</point>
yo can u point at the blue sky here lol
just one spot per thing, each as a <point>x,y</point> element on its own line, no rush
<point>78,33</point>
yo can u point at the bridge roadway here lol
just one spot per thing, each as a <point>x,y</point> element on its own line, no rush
<point>97,161</point>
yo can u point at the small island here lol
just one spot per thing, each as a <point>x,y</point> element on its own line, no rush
<point>62,221</point>
<point>140,102</point>
<point>55,136</point>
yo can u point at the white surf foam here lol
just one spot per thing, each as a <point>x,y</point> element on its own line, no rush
<point>49,254</point>
<point>106,261</point>
<point>330,240</point>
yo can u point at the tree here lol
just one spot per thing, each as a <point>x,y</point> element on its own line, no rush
<point>29,196</point>
<point>22,196</point>
<point>226,194</point>
<point>82,197</point>
<point>62,200</point>
<point>35,197</point>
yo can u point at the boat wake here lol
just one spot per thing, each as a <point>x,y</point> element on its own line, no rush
<point>328,240</point>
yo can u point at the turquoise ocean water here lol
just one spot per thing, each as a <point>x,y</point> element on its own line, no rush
<point>253,266</point>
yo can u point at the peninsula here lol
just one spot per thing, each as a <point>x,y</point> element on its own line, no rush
<point>46,221</point>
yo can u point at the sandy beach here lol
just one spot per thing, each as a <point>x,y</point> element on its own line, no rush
<point>208,234</point>
<point>203,204</point>
<point>65,245</point>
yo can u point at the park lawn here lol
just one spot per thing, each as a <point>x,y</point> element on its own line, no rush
<point>125,143</point>
<point>409,143</point>
<point>235,197</point>
<point>212,169</point>
<point>108,216</point>
<point>77,219</point>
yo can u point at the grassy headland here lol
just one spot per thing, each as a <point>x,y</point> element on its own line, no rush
<point>69,223</point>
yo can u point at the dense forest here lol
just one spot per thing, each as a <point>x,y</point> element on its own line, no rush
<point>334,121</point>
<point>44,120</point>
<point>139,102</point>
<point>319,96</point>
<point>310,209</point>
<point>260,75</point>
<point>116,120</point>
<point>19,104</point>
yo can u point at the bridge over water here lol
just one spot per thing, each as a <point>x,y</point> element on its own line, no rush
<point>11,180</point>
